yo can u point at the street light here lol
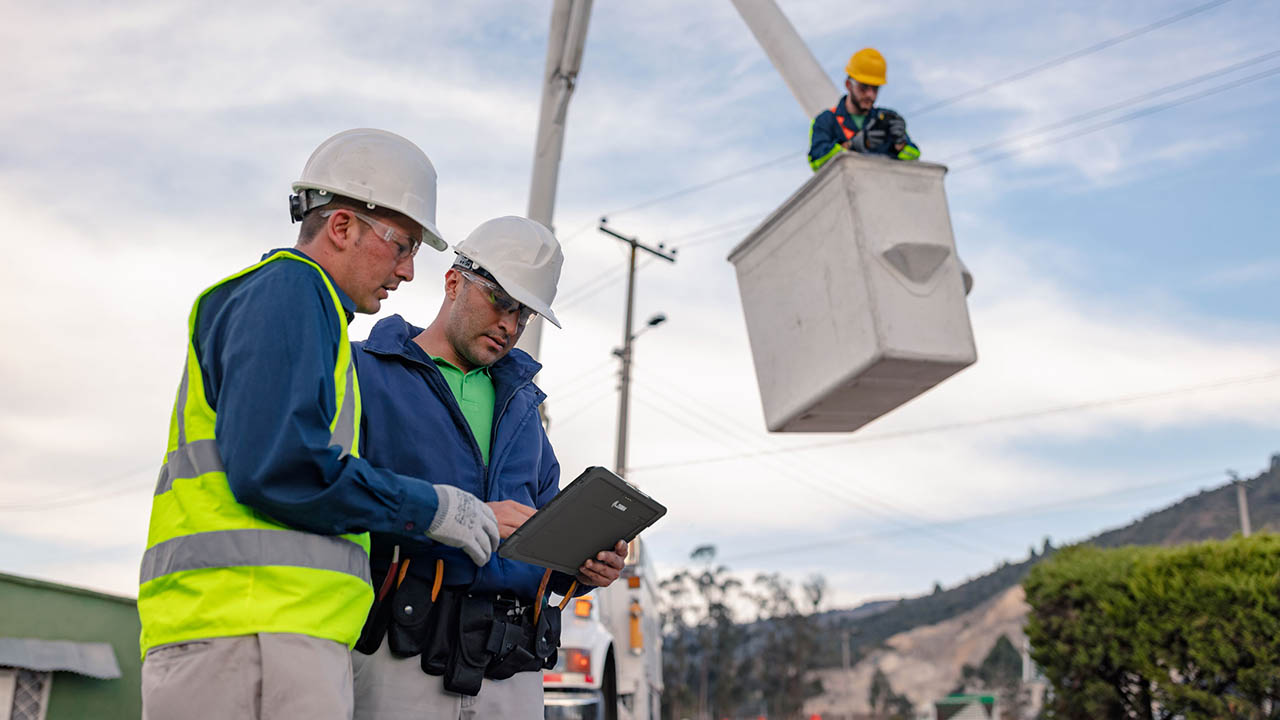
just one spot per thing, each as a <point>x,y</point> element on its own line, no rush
<point>624,354</point>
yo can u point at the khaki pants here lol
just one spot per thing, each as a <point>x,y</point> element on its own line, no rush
<point>260,677</point>
<point>392,688</point>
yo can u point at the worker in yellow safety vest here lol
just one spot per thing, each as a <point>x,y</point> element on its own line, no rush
<point>256,581</point>
<point>854,123</point>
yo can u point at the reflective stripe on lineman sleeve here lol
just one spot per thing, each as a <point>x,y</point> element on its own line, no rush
<point>191,460</point>
<point>255,548</point>
<point>344,431</point>
<point>182,406</point>
<point>198,457</point>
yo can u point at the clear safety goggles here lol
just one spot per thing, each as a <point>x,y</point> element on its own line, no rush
<point>500,299</point>
<point>406,245</point>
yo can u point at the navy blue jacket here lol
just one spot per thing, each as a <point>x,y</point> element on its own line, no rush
<point>413,425</point>
<point>267,344</point>
<point>826,133</point>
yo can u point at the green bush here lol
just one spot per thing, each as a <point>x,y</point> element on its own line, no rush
<point>1150,632</point>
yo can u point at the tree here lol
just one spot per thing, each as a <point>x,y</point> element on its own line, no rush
<point>885,702</point>
<point>790,641</point>
<point>1147,632</point>
<point>1000,671</point>
<point>702,657</point>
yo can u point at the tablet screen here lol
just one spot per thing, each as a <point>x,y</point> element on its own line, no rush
<point>589,515</point>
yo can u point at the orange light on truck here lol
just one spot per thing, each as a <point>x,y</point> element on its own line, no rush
<point>582,607</point>
<point>637,633</point>
<point>633,582</point>
<point>577,660</point>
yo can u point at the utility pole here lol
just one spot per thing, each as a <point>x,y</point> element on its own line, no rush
<point>1242,501</point>
<point>624,353</point>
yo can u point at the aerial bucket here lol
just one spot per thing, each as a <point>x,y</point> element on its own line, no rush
<point>853,295</point>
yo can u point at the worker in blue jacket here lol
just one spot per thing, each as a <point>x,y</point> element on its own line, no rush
<point>855,123</point>
<point>456,403</point>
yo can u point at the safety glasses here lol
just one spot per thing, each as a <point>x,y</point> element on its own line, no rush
<point>500,299</point>
<point>406,245</point>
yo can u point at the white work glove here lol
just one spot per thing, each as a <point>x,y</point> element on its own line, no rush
<point>462,521</point>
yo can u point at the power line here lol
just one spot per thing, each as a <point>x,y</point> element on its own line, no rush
<point>1030,509</point>
<point>1075,55</point>
<point>965,424</point>
<point>941,103</point>
<point>702,185</point>
<point>1196,97</point>
<point>591,288</point>
<point>1114,106</point>
<point>860,500</point>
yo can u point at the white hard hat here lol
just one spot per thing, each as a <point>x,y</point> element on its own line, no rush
<point>522,255</point>
<point>377,167</point>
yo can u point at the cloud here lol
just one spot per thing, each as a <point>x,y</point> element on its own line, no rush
<point>148,153</point>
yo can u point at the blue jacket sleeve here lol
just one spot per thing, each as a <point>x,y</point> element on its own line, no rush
<point>825,139</point>
<point>269,353</point>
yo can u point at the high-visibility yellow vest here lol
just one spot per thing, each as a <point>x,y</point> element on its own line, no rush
<point>217,568</point>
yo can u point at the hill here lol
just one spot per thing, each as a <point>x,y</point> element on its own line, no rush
<point>1208,515</point>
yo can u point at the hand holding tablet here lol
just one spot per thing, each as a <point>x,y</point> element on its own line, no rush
<point>591,514</point>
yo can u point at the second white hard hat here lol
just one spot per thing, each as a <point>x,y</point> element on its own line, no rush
<point>522,255</point>
<point>376,167</point>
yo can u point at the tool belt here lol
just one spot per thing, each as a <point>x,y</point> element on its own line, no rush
<point>461,636</point>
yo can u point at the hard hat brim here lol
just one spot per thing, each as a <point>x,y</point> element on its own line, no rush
<point>430,233</point>
<point>530,301</point>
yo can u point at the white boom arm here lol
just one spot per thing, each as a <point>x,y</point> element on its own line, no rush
<point>565,43</point>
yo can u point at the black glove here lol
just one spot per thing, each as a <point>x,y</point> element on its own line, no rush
<point>897,127</point>
<point>869,138</point>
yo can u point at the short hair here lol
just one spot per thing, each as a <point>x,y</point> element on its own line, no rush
<point>313,223</point>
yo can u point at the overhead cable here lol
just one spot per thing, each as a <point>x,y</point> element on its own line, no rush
<point>965,424</point>
<point>1194,97</point>
<point>1062,60</point>
<point>845,540</point>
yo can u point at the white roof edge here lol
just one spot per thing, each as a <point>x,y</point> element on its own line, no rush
<point>92,659</point>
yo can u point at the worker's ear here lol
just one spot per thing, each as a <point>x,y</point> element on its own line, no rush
<point>452,284</point>
<point>848,85</point>
<point>342,229</point>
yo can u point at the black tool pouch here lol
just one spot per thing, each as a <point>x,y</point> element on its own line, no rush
<point>411,606</point>
<point>375,626</point>
<point>526,646</point>
<point>441,633</point>
<point>478,640</point>
<point>547,638</point>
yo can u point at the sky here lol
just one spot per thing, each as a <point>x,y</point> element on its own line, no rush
<point>1125,258</point>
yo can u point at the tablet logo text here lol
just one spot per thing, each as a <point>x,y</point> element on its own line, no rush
<point>620,506</point>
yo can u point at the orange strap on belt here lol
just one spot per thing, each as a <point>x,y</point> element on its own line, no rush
<point>567,596</point>
<point>542,592</point>
<point>435,586</point>
<point>404,568</point>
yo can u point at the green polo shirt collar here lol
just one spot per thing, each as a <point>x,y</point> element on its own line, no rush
<point>475,395</point>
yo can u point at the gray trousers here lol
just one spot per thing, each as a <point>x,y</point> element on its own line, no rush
<point>259,677</point>
<point>392,688</point>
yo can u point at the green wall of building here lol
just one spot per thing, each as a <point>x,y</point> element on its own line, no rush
<point>46,611</point>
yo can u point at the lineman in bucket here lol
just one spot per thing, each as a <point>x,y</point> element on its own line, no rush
<point>255,582</point>
<point>450,636</point>
<point>855,123</point>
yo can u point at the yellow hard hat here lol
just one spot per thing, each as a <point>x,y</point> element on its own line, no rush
<point>867,67</point>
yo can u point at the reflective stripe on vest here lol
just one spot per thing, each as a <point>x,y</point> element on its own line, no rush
<point>214,567</point>
<point>234,548</point>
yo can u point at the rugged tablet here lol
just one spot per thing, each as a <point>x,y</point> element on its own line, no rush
<point>589,515</point>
